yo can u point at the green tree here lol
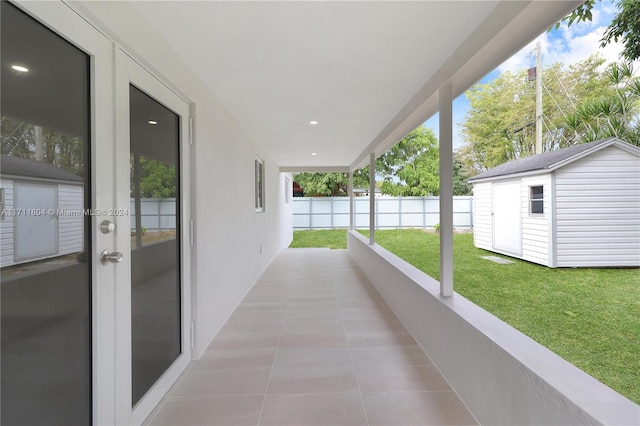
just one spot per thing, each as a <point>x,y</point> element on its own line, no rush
<point>409,168</point>
<point>460,178</point>
<point>624,27</point>
<point>157,179</point>
<point>500,124</point>
<point>62,150</point>
<point>615,114</point>
<point>331,184</point>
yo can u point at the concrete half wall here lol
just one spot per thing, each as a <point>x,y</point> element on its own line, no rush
<point>503,377</point>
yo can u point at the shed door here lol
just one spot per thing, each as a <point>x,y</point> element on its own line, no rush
<point>507,217</point>
<point>36,223</point>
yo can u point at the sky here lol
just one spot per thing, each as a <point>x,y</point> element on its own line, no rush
<point>567,45</point>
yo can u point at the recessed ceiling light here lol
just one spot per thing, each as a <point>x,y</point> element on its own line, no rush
<point>153,122</point>
<point>313,122</point>
<point>19,68</point>
<point>313,153</point>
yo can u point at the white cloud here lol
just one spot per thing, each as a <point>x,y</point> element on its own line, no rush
<point>569,45</point>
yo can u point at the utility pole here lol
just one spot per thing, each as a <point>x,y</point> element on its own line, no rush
<point>39,143</point>
<point>538,99</point>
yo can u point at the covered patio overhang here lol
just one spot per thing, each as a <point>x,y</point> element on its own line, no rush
<point>342,80</point>
<point>329,86</point>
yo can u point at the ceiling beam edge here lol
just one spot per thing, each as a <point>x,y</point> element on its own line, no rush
<point>424,103</point>
<point>313,169</point>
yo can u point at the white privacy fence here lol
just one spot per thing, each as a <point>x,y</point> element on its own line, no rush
<point>390,212</point>
<point>157,214</point>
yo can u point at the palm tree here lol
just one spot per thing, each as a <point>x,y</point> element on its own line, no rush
<point>614,115</point>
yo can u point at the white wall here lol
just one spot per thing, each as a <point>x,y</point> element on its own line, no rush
<point>598,210</point>
<point>536,243</point>
<point>482,220</point>
<point>286,216</point>
<point>535,228</point>
<point>6,225</point>
<point>228,236</point>
<point>70,227</point>
<point>503,377</point>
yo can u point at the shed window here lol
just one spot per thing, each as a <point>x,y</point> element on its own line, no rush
<point>536,200</point>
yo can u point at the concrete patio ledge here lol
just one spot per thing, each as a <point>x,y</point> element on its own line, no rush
<point>503,376</point>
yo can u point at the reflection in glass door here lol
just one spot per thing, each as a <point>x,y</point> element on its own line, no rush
<point>156,319</point>
<point>45,237</point>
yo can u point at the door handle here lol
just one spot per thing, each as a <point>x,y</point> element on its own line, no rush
<point>110,257</point>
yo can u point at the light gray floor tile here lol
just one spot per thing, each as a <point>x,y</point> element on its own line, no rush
<point>318,314</point>
<point>416,408</point>
<point>373,325</point>
<point>390,355</point>
<point>391,377</point>
<point>313,305</point>
<point>238,358</point>
<point>313,358</point>
<point>237,381</point>
<point>310,342</point>
<point>315,409</point>
<point>246,341</point>
<point>371,339</point>
<point>210,411</point>
<point>313,326</point>
<point>317,380</point>
<point>262,306</point>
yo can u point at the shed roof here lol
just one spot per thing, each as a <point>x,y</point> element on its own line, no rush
<point>16,166</point>
<point>551,160</point>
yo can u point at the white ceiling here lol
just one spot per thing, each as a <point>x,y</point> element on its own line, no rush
<point>368,72</point>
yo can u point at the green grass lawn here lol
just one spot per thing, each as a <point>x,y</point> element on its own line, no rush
<point>590,317</point>
<point>330,238</point>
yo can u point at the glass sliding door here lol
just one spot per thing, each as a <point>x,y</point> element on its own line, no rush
<point>95,295</point>
<point>155,235</point>
<point>159,303</point>
<point>46,297</point>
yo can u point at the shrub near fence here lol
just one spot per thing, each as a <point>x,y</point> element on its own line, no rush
<point>390,212</point>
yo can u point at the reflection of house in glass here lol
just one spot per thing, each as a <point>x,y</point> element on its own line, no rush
<point>42,211</point>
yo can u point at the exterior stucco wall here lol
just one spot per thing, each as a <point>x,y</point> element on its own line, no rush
<point>233,243</point>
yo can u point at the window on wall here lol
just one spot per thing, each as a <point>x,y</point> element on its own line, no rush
<point>536,200</point>
<point>287,189</point>
<point>259,185</point>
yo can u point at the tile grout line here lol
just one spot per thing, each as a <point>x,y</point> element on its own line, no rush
<point>168,396</point>
<point>353,364</point>
<point>273,364</point>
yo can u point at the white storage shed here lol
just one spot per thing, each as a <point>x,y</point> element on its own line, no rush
<point>35,197</point>
<point>574,207</point>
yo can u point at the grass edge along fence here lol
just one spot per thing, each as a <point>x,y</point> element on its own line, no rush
<point>390,212</point>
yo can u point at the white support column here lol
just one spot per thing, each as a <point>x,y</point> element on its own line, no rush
<point>446,190</point>
<point>372,198</point>
<point>352,219</point>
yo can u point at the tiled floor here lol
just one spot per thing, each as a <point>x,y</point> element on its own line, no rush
<point>312,343</point>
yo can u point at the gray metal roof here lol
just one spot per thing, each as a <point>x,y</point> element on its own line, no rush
<point>545,161</point>
<point>16,166</point>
